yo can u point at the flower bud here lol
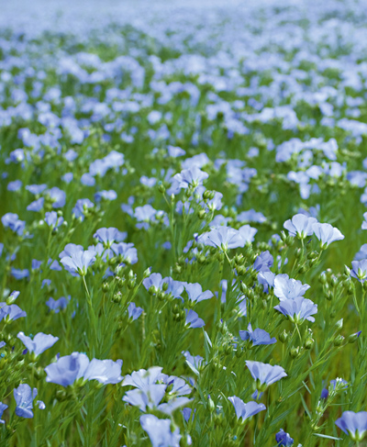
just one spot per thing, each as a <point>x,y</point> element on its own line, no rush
<point>339,340</point>
<point>283,336</point>
<point>117,297</point>
<point>309,343</point>
<point>339,324</point>
<point>294,352</point>
<point>354,337</point>
<point>201,214</point>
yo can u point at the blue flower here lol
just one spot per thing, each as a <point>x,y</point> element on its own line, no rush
<point>353,424</point>
<point>40,342</point>
<point>251,216</point>
<point>193,177</point>
<point>335,386</point>
<point>159,431</point>
<point>80,207</point>
<point>149,397</point>
<point>66,370</point>
<point>192,361</point>
<point>104,371</point>
<point>3,407</point>
<point>105,195</point>
<point>195,292</point>
<point>24,397</point>
<point>134,312</point>
<point>359,270</point>
<point>53,220</point>
<point>245,411</point>
<point>298,309</point>
<point>78,260</point>
<point>109,235</point>
<point>247,233</point>
<point>11,313</point>
<point>155,283</point>
<point>283,438</point>
<point>193,320</point>
<point>222,237</point>
<point>264,261</point>
<point>257,337</point>
<point>266,279</point>
<point>36,205</point>
<point>286,288</point>
<point>175,152</point>
<point>300,225</point>
<point>264,373</point>
<point>57,305</point>
<point>127,252</point>
<point>15,185</point>
<point>326,233</point>
<point>57,196</point>
<point>11,221</point>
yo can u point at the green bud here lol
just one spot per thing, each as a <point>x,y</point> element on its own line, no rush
<point>211,405</point>
<point>152,290</point>
<point>117,297</point>
<point>61,395</point>
<point>294,352</point>
<point>105,287</point>
<point>201,214</point>
<point>353,338</point>
<point>283,336</point>
<point>161,188</point>
<point>131,284</point>
<point>165,287</point>
<point>322,278</point>
<point>241,270</point>
<point>339,324</point>
<point>339,340</point>
<point>309,343</point>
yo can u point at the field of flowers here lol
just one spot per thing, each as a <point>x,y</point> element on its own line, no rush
<point>183,259</point>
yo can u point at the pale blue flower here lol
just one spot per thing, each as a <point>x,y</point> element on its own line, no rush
<point>286,288</point>
<point>245,411</point>
<point>40,342</point>
<point>353,424</point>
<point>264,373</point>
<point>257,337</point>
<point>24,397</point>
<point>159,431</point>
<point>298,309</point>
<point>326,233</point>
<point>300,225</point>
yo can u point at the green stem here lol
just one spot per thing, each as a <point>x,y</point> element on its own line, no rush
<point>93,342</point>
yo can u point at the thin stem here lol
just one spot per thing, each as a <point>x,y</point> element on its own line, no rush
<point>92,317</point>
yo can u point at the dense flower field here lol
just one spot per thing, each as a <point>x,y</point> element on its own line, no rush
<point>183,258</point>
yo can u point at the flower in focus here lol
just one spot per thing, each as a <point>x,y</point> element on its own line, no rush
<point>283,438</point>
<point>245,411</point>
<point>78,260</point>
<point>265,374</point>
<point>298,309</point>
<point>257,337</point>
<point>300,225</point>
<point>326,233</point>
<point>24,397</point>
